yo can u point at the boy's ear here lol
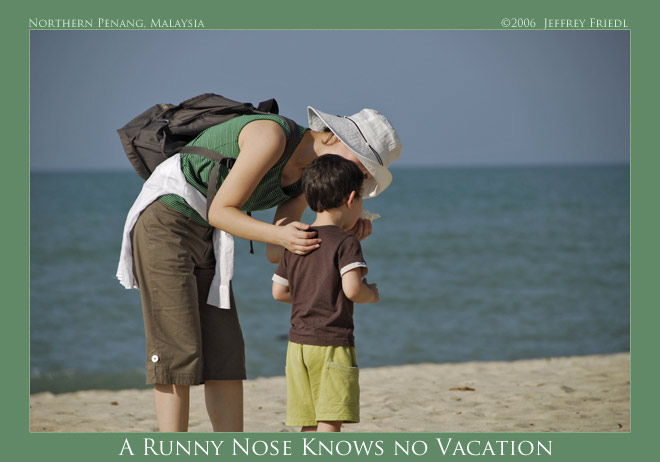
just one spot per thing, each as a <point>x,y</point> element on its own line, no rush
<point>351,198</point>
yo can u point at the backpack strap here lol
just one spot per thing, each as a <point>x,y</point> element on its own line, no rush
<point>216,157</point>
<point>219,159</point>
<point>294,135</point>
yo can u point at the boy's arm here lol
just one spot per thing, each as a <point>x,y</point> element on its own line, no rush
<point>281,292</point>
<point>357,288</point>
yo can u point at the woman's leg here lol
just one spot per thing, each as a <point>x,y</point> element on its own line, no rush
<point>172,407</point>
<point>164,269</point>
<point>224,404</point>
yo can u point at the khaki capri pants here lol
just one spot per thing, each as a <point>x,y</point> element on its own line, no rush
<point>187,341</point>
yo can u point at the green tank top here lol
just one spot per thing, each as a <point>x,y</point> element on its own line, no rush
<point>223,138</point>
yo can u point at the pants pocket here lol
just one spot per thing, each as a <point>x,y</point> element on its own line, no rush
<point>341,385</point>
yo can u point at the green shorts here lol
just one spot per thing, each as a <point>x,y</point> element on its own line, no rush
<point>321,385</point>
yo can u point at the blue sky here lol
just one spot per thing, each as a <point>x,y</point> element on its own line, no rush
<point>455,97</point>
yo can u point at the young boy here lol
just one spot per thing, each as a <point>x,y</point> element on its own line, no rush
<point>321,367</point>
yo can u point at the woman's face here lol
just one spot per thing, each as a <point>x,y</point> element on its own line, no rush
<point>345,152</point>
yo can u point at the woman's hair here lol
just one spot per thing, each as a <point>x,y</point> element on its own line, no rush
<point>329,180</point>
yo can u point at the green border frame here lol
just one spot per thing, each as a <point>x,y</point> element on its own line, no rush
<point>17,441</point>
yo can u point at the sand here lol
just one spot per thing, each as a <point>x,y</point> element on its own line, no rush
<point>572,394</point>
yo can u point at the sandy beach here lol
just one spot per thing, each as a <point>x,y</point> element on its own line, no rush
<point>572,394</point>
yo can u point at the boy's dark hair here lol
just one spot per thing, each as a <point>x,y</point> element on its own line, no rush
<point>329,180</point>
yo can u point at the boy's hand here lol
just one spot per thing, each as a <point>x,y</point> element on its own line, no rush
<point>361,229</point>
<point>373,289</point>
<point>357,289</point>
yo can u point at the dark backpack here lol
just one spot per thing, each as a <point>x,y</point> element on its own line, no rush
<point>165,129</point>
<point>162,130</point>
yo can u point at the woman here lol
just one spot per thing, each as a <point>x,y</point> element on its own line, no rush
<point>175,258</point>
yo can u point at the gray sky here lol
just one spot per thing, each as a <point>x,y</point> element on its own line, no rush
<point>455,97</point>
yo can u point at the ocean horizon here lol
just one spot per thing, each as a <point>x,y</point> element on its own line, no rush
<point>472,263</point>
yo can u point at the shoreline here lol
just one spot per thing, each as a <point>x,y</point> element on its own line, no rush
<point>564,394</point>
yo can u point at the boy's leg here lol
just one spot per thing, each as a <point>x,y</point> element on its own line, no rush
<point>339,391</point>
<point>323,427</point>
<point>300,410</point>
<point>172,407</point>
<point>224,404</point>
<point>328,427</point>
<point>333,379</point>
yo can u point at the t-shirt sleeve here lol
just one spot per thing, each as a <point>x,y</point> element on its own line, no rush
<point>280,275</point>
<point>350,255</point>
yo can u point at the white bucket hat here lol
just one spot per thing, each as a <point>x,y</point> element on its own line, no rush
<point>370,136</point>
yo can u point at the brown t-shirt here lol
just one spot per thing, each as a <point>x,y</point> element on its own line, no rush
<point>321,313</point>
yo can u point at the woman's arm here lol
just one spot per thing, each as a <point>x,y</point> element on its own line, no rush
<point>287,212</point>
<point>262,143</point>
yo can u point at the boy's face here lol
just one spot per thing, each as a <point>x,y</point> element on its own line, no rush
<point>355,209</point>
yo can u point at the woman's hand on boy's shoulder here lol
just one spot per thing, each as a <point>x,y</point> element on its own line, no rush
<point>297,238</point>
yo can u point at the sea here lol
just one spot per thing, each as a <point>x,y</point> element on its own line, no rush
<point>472,264</point>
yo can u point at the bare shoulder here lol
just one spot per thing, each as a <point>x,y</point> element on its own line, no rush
<point>262,132</point>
